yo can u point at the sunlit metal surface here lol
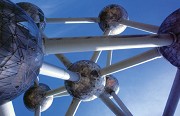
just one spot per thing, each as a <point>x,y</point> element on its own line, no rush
<point>21,53</point>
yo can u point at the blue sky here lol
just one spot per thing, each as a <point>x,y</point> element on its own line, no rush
<point>144,89</point>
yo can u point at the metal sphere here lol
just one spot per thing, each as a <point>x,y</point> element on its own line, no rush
<point>34,97</point>
<point>21,52</point>
<point>171,25</point>
<point>110,17</point>
<point>112,85</point>
<point>35,13</point>
<point>90,85</point>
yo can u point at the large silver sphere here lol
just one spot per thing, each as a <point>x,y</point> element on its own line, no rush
<point>172,25</point>
<point>90,85</point>
<point>21,53</point>
<point>110,17</point>
<point>112,85</point>
<point>35,13</point>
<point>34,96</point>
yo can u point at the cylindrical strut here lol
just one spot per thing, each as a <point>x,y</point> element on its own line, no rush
<point>73,20</point>
<point>7,109</point>
<point>111,105</point>
<point>55,91</point>
<point>121,104</point>
<point>97,54</point>
<point>174,96</point>
<point>58,72</point>
<point>140,26</point>
<point>131,62</point>
<point>81,44</point>
<point>73,107</point>
<point>38,111</point>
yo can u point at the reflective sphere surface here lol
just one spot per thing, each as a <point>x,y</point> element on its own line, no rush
<point>172,25</point>
<point>21,52</point>
<point>110,17</point>
<point>34,96</point>
<point>90,85</point>
<point>35,13</point>
<point>112,85</point>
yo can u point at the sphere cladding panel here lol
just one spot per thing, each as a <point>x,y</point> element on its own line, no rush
<point>110,17</point>
<point>112,85</point>
<point>172,25</point>
<point>90,85</point>
<point>21,52</point>
<point>35,13</point>
<point>34,96</point>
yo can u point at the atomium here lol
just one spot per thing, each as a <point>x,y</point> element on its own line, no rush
<point>34,97</point>
<point>22,51</point>
<point>90,84</point>
<point>110,17</point>
<point>112,85</point>
<point>35,13</point>
<point>170,25</point>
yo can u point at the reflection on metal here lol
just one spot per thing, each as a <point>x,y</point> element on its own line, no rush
<point>73,107</point>
<point>73,20</point>
<point>35,96</point>
<point>121,104</point>
<point>109,57</point>
<point>38,111</point>
<point>22,50</point>
<point>111,105</point>
<point>55,91</point>
<point>109,18</point>
<point>97,54</point>
<point>131,62</point>
<point>7,109</point>
<point>61,94</point>
<point>35,13</point>
<point>90,84</point>
<point>140,26</point>
<point>98,43</point>
<point>112,85</point>
<point>56,72</point>
<point>170,25</point>
<point>111,90</point>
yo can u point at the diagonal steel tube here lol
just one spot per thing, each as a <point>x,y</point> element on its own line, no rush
<point>37,111</point>
<point>55,91</point>
<point>131,62</point>
<point>36,82</point>
<point>66,62</point>
<point>133,24</point>
<point>109,57</point>
<point>111,105</point>
<point>97,54</point>
<point>121,104</point>
<point>57,72</point>
<point>73,107</point>
<point>140,26</point>
<point>7,109</point>
<point>81,44</point>
<point>65,93</point>
<point>174,96</point>
<point>72,20</point>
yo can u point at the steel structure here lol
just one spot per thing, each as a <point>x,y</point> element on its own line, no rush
<point>23,45</point>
